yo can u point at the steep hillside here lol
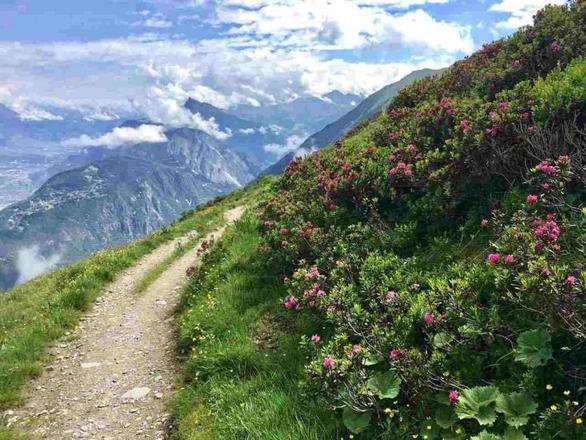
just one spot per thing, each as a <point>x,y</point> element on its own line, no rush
<point>124,195</point>
<point>443,248</point>
<point>372,105</point>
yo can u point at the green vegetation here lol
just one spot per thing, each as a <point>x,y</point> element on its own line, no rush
<point>42,310</point>
<point>443,248</point>
<point>244,366</point>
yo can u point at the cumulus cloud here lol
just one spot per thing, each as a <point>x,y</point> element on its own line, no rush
<point>36,114</point>
<point>30,263</point>
<point>119,137</point>
<point>291,144</point>
<point>521,11</point>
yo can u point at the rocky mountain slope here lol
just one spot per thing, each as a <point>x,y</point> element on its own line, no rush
<point>125,194</point>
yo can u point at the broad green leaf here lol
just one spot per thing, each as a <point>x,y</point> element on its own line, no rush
<point>513,434</point>
<point>517,407</point>
<point>386,384</point>
<point>478,403</point>
<point>369,362</point>
<point>441,340</point>
<point>534,348</point>
<point>356,421</point>
<point>485,436</point>
<point>445,417</point>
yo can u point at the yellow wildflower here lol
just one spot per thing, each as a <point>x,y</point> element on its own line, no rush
<point>579,421</point>
<point>549,387</point>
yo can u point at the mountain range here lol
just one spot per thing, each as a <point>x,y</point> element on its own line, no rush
<point>98,197</point>
<point>367,109</point>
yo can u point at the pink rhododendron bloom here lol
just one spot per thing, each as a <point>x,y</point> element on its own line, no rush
<point>392,158</point>
<point>562,160</point>
<point>284,244</point>
<point>390,296</point>
<point>503,106</point>
<point>445,103</point>
<point>328,363</point>
<point>395,354</point>
<point>547,168</point>
<point>412,148</point>
<point>532,198</point>
<point>393,171</point>
<point>454,395</point>
<point>490,131</point>
<point>283,231</point>
<point>429,318</point>
<point>571,280</point>
<point>494,258</point>
<point>484,222</point>
<point>290,302</point>
<point>333,207</point>
<point>555,46</point>
<point>408,173</point>
<point>465,125</point>
<point>545,186</point>
<point>509,259</point>
<point>315,339</point>
<point>401,165</point>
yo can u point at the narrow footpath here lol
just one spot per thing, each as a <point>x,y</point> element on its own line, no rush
<point>116,375</point>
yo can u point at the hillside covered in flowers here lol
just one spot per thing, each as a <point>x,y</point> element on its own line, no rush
<point>443,247</point>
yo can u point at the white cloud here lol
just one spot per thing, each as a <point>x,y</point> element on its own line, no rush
<point>119,137</point>
<point>342,24</point>
<point>30,263</point>
<point>291,144</point>
<point>247,131</point>
<point>155,22</point>
<point>521,11</point>
<point>36,114</point>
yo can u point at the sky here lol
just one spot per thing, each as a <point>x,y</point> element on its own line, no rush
<point>111,58</point>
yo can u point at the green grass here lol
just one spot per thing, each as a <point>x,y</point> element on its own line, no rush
<point>244,364</point>
<point>44,309</point>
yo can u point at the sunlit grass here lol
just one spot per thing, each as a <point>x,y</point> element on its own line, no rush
<point>244,366</point>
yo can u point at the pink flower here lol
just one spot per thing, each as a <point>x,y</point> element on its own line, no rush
<point>562,160</point>
<point>532,198</point>
<point>503,105</point>
<point>555,46</point>
<point>494,258</point>
<point>328,363</point>
<point>429,318</point>
<point>395,354</point>
<point>412,148</point>
<point>283,231</point>
<point>509,259</point>
<point>571,280</point>
<point>290,302</point>
<point>465,125</point>
<point>390,296</point>
<point>284,244</point>
<point>401,165</point>
<point>393,171</point>
<point>408,173</point>
<point>454,395</point>
<point>516,63</point>
<point>315,339</point>
<point>333,207</point>
<point>484,223</point>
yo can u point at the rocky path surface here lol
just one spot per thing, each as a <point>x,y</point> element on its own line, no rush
<point>115,376</point>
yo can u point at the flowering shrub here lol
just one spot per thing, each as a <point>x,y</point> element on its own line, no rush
<point>446,254</point>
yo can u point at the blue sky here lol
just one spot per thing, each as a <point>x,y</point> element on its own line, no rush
<point>113,58</point>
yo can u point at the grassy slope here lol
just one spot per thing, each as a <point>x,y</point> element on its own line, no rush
<point>44,309</point>
<point>244,363</point>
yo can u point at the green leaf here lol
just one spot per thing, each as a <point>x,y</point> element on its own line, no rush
<point>517,407</point>
<point>485,436</point>
<point>386,384</point>
<point>445,417</point>
<point>534,348</point>
<point>369,362</point>
<point>441,340</point>
<point>356,421</point>
<point>513,434</point>
<point>478,403</point>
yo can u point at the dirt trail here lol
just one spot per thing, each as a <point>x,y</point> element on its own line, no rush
<point>115,377</point>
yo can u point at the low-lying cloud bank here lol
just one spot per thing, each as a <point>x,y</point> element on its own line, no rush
<point>120,136</point>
